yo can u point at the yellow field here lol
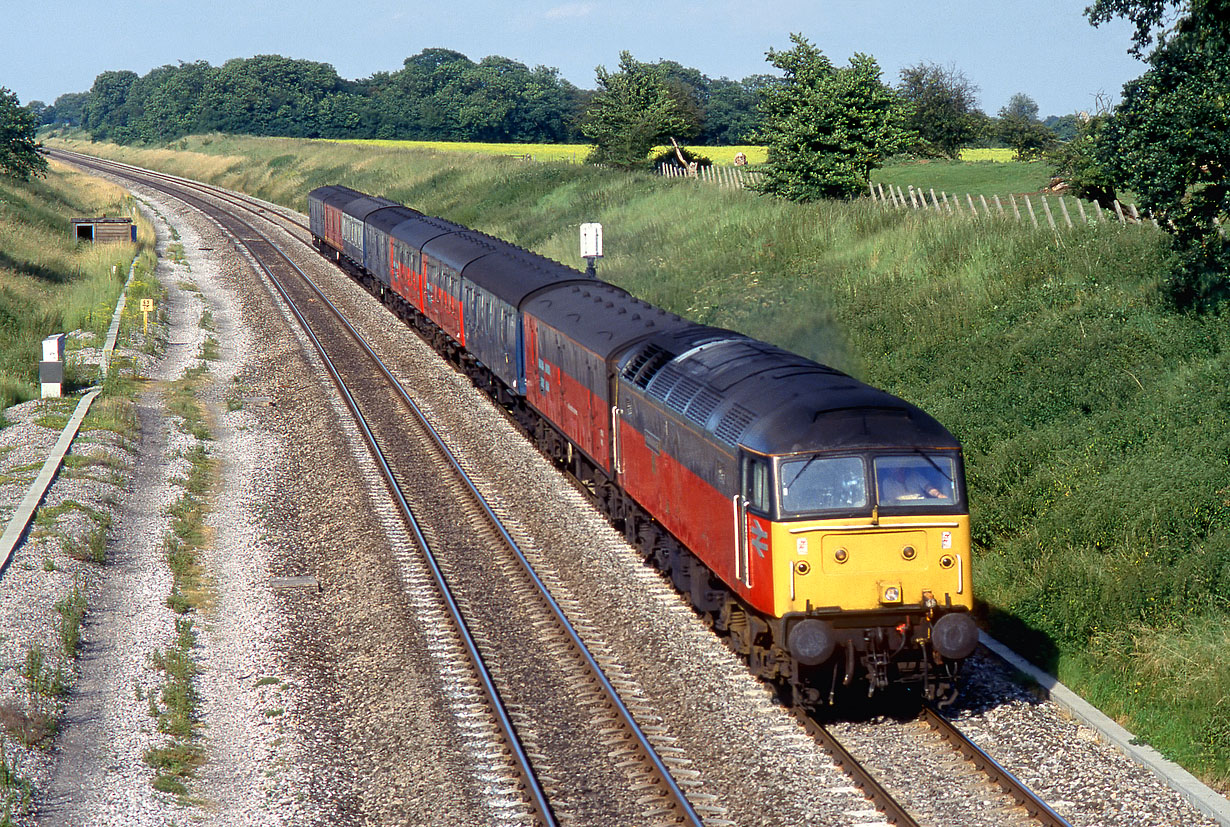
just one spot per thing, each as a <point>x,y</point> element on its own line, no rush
<point>570,153</point>
<point>575,153</point>
<point>1001,154</point>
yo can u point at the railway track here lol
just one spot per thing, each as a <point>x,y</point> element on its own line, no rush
<point>411,456</point>
<point>587,724</point>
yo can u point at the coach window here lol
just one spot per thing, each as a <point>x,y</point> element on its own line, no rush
<point>756,483</point>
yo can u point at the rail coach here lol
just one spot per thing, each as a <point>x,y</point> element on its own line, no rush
<point>820,523</point>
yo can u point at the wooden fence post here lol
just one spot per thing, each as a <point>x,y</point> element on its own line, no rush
<point>1119,212</point>
<point>999,205</point>
<point>1050,219</point>
<point>972,209</point>
<point>1032,216</point>
<point>872,188</point>
<point>1097,208</point>
<point>1066,217</point>
<point>1135,214</point>
<point>1080,205</point>
<point>935,201</point>
<point>1015,209</point>
<point>985,209</point>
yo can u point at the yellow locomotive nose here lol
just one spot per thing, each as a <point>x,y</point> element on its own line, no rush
<point>898,561</point>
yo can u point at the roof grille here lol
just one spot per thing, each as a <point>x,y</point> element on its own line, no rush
<point>682,393</point>
<point>734,423</point>
<point>664,382</point>
<point>646,365</point>
<point>704,403</point>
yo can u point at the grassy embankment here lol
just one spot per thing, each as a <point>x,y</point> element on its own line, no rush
<point>48,282</point>
<point>1095,419</point>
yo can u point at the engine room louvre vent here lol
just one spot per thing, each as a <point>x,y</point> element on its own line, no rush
<point>664,382</point>
<point>734,423</point>
<point>646,365</point>
<point>702,406</point>
<point>682,394</point>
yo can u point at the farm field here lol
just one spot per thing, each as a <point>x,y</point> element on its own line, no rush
<point>570,153</point>
<point>1095,418</point>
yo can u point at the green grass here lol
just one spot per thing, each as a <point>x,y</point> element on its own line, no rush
<point>974,177</point>
<point>48,282</point>
<point>1096,420</point>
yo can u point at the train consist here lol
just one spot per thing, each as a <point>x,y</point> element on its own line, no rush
<point>820,523</point>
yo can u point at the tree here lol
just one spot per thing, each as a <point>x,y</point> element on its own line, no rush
<point>1169,138</point>
<point>633,111</point>
<point>1077,161</point>
<point>827,127</point>
<point>68,109</point>
<point>945,106</point>
<point>1065,127</point>
<point>20,154</point>
<point>1020,128</point>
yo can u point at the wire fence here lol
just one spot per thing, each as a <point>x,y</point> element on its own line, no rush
<point>1023,210</point>
<point>732,177</point>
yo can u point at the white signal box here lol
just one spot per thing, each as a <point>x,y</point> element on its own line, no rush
<point>591,241</point>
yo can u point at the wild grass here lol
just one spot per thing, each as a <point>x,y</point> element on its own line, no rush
<point>175,709</point>
<point>49,283</point>
<point>1096,420</point>
<point>987,177</point>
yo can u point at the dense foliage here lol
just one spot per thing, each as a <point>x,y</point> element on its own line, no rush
<point>1169,139</point>
<point>1019,128</point>
<point>634,111</point>
<point>437,95</point>
<point>1076,161</point>
<point>944,110</point>
<point>827,127</point>
<point>19,151</point>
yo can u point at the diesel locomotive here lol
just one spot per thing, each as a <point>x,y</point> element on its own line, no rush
<point>819,523</point>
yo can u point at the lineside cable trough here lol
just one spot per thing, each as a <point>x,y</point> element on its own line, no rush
<point>20,521</point>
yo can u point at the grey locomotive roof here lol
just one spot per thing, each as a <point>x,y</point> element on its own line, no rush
<point>748,392</point>
<point>600,316</point>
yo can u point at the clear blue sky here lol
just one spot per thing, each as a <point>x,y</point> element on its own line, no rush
<point>1044,48</point>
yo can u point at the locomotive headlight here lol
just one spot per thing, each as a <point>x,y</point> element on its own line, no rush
<point>890,594</point>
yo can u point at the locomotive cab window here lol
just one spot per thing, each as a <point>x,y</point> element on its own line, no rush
<point>756,483</point>
<point>819,483</point>
<point>916,480</point>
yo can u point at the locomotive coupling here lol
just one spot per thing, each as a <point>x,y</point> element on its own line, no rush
<point>811,641</point>
<point>955,636</point>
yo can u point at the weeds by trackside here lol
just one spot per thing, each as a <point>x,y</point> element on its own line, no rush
<point>174,706</point>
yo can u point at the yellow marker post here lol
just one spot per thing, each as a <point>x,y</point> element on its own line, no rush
<point>147,305</point>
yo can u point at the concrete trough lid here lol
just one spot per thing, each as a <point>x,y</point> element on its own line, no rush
<point>303,581</point>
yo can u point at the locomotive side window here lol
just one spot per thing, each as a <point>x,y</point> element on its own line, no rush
<point>818,483</point>
<point>916,480</point>
<point>756,483</point>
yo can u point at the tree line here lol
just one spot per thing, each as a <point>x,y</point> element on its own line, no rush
<point>826,127</point>
<point>442,95</point>
<point>437,95</point>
